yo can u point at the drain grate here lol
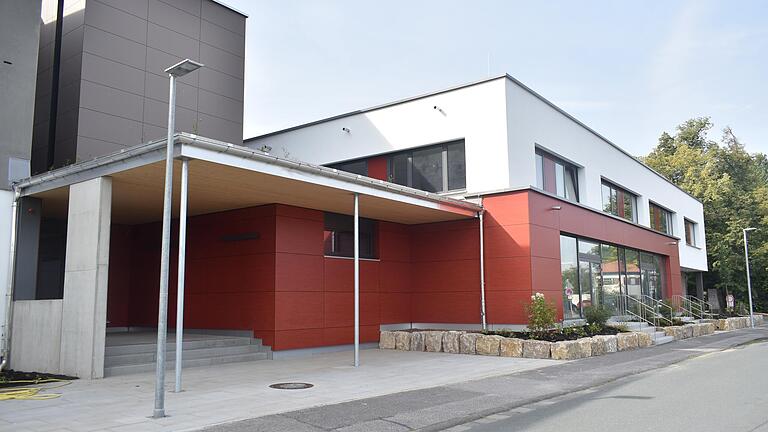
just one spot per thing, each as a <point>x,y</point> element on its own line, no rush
<point>292,386</point>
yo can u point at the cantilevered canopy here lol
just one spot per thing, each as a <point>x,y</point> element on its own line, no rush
<point>224,176</point>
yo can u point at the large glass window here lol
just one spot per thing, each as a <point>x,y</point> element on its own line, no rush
<point>597,274</point>
<point>339,236</point>
<point>569,267</point>
<point>611,275</point>
<point>439,168</point>
<point>661,219</point>
<point>556,176</point>
<point>428,169</point>
<point>690,232</point>
<point>619,202</point>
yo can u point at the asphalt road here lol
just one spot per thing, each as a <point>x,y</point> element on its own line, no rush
<point>720,391</point>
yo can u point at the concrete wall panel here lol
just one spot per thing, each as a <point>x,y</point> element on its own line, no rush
<point>86,274</point>
<point>36,338</point>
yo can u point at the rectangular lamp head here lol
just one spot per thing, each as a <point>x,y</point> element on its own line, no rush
<point>183,67</point>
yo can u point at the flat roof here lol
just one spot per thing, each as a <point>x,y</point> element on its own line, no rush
<point>470,84</point>
<point>224,176</point>
<point>221,3</point>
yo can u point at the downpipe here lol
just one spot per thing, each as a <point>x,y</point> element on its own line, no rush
<point>482,269</point>
<point>6,347</point>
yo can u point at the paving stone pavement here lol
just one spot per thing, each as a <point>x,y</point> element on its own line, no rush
<point>453,407</point>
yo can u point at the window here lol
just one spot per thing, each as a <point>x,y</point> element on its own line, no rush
<point>619,202</point>
<point>690,232</point>
<point>355,167</point>
<point>438,168</point>
<point>556,176</point>
<point>339,236</point>
<point>598,274</point>
<point>661,219</point>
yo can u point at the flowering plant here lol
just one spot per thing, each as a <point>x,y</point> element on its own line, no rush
<point>541,314</point>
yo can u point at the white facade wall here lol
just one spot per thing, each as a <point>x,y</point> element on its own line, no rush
<point>533,122</point>
<point>502,123</point>
<point>475,113</point>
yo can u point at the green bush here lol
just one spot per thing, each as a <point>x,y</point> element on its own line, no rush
<point>541,315</point>
<point>597,315</point>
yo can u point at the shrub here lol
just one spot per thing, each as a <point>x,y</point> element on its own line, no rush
<point>541,314</point>
<point>597,315</point>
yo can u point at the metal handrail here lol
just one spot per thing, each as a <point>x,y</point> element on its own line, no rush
<point>684,306</point>
<point>644,308</point>
<point>702,306</point>
<point>656,306</point>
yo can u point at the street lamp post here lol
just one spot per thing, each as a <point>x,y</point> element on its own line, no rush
<point>749,280</point>
<point>176,71</point>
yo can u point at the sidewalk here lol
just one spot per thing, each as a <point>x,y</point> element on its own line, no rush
<point>240,391</point>
<point>443,407</point>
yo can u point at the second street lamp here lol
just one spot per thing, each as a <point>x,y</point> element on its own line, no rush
<point>176,71</point>
<point>749,279</point>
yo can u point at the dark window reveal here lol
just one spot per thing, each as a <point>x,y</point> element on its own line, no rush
<point>556,176</point>
<point>690,232</point>
<point>661,219</point>
<point>354,167</point>
<point>339,237</point>
<point>619,202</point>
<point>438,168</point>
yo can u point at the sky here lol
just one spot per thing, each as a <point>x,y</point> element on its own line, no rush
<point>628,69</point>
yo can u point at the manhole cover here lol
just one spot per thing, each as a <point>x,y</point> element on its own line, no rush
<point>291,386</point>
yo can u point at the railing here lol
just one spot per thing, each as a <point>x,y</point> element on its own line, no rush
<point>700,308</point>
<point>642,308</point>
<point>690,306</point>
<point>683,306</point>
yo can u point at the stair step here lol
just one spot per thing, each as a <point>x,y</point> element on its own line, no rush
<point>187,345</point>
<point>661,340</point>
<point>149,357</point>
<point>195,362</point>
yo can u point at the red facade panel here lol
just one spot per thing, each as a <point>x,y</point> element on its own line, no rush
<point>263,269</point>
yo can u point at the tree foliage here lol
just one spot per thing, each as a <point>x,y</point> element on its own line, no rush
<point>733,187</point>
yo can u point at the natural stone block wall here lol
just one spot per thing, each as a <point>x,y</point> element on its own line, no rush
<point>451,341</point>
<point>403,341</point>
<point>488,345</point>
<point>603,344</point>
<point>433,341</point>
<point>644,340</point>
<point>417,341</point>
<point>572,350</point>
<point>536,349</point>
<point>511,347</point>
<point>626,341</point>
<point>387,340</point>
<point>461,342</point>
<point>467,343</point>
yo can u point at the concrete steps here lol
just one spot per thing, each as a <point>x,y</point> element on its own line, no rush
<point>128,358</point>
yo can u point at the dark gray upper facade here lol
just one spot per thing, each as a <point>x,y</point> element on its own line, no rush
<point>19,29</point>
<point>104,87</point>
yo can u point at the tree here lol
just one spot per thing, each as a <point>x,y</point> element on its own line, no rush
<point>733,188</point>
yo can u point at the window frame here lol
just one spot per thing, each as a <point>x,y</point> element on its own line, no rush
<point>692,240</point>
<point>563,172</point>
<point>369,230</point>
<point>445,171</point>
<point>618,208</point>
<point>341,166</point>
<point>666,216</point>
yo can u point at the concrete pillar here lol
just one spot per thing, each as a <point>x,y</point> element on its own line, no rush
<point>84,314</point>
<point>700,285</point>
<point>27,248</point>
